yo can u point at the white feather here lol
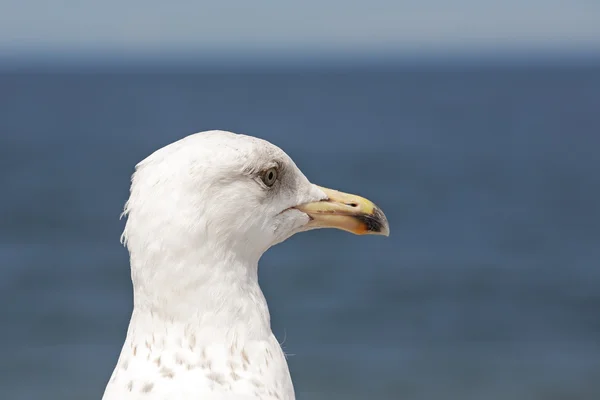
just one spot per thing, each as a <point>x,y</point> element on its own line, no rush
<point>199,219</point>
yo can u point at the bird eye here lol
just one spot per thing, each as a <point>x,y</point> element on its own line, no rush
<point>269,176</point>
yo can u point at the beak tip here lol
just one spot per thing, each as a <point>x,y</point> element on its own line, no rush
<point>383,231</point>
<point>382,225</point>
<point>375,223</point>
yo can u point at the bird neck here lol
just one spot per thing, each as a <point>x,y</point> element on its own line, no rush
<point>209,329</point>
<point>215,295</point>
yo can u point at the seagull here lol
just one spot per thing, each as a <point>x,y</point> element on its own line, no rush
<point>200,214</point>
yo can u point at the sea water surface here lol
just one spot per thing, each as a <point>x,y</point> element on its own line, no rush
<point>487,288</point>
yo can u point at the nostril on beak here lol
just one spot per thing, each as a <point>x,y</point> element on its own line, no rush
<point>352,204</point>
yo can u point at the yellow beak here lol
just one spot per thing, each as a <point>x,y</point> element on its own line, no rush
<point>347,212</point>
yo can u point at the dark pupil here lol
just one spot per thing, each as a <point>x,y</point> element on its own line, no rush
<point>270,175</point>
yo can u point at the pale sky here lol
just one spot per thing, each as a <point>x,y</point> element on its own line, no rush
<point>153,26</point>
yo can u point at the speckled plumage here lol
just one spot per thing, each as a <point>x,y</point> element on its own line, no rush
<point>199,219</point>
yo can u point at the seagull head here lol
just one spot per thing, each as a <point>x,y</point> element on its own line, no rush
<point>218,194</point>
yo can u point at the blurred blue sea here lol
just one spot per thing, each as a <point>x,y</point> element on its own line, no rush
<point>488,287</point>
